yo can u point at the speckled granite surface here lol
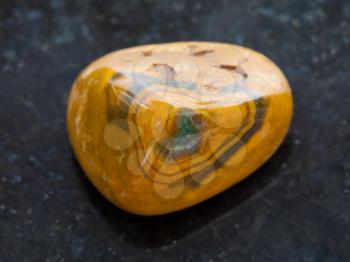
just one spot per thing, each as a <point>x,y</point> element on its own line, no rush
<point>295,208</point>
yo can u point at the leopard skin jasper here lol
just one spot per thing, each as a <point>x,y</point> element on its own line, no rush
<point>162,127</point>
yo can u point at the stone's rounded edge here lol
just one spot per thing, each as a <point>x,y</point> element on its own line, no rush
<point>141,210</point>
<point>89,170</point>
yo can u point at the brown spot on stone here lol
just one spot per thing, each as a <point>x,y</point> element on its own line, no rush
<point>167,72</point>
<point>115,77</point>
<point>234,68</point>
<point>210,87</point>
<point>147,53</point>
<point>203,52</point>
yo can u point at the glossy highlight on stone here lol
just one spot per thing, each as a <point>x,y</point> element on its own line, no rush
<point>162,127</point>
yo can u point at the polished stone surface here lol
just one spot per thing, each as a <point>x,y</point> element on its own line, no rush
<point>295,208</point>
<point>159,133</point>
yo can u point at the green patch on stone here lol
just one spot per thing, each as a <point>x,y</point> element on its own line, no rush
<point>185,126</point>
<point>186,138</point>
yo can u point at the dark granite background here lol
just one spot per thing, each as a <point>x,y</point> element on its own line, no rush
<point>295,208</point>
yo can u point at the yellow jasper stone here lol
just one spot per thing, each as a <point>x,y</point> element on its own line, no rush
<point>162,127</point>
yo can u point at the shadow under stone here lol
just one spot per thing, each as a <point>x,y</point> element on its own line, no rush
<point>157,231</point>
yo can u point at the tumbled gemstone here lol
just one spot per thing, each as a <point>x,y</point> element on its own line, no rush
<point>159,128</point>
